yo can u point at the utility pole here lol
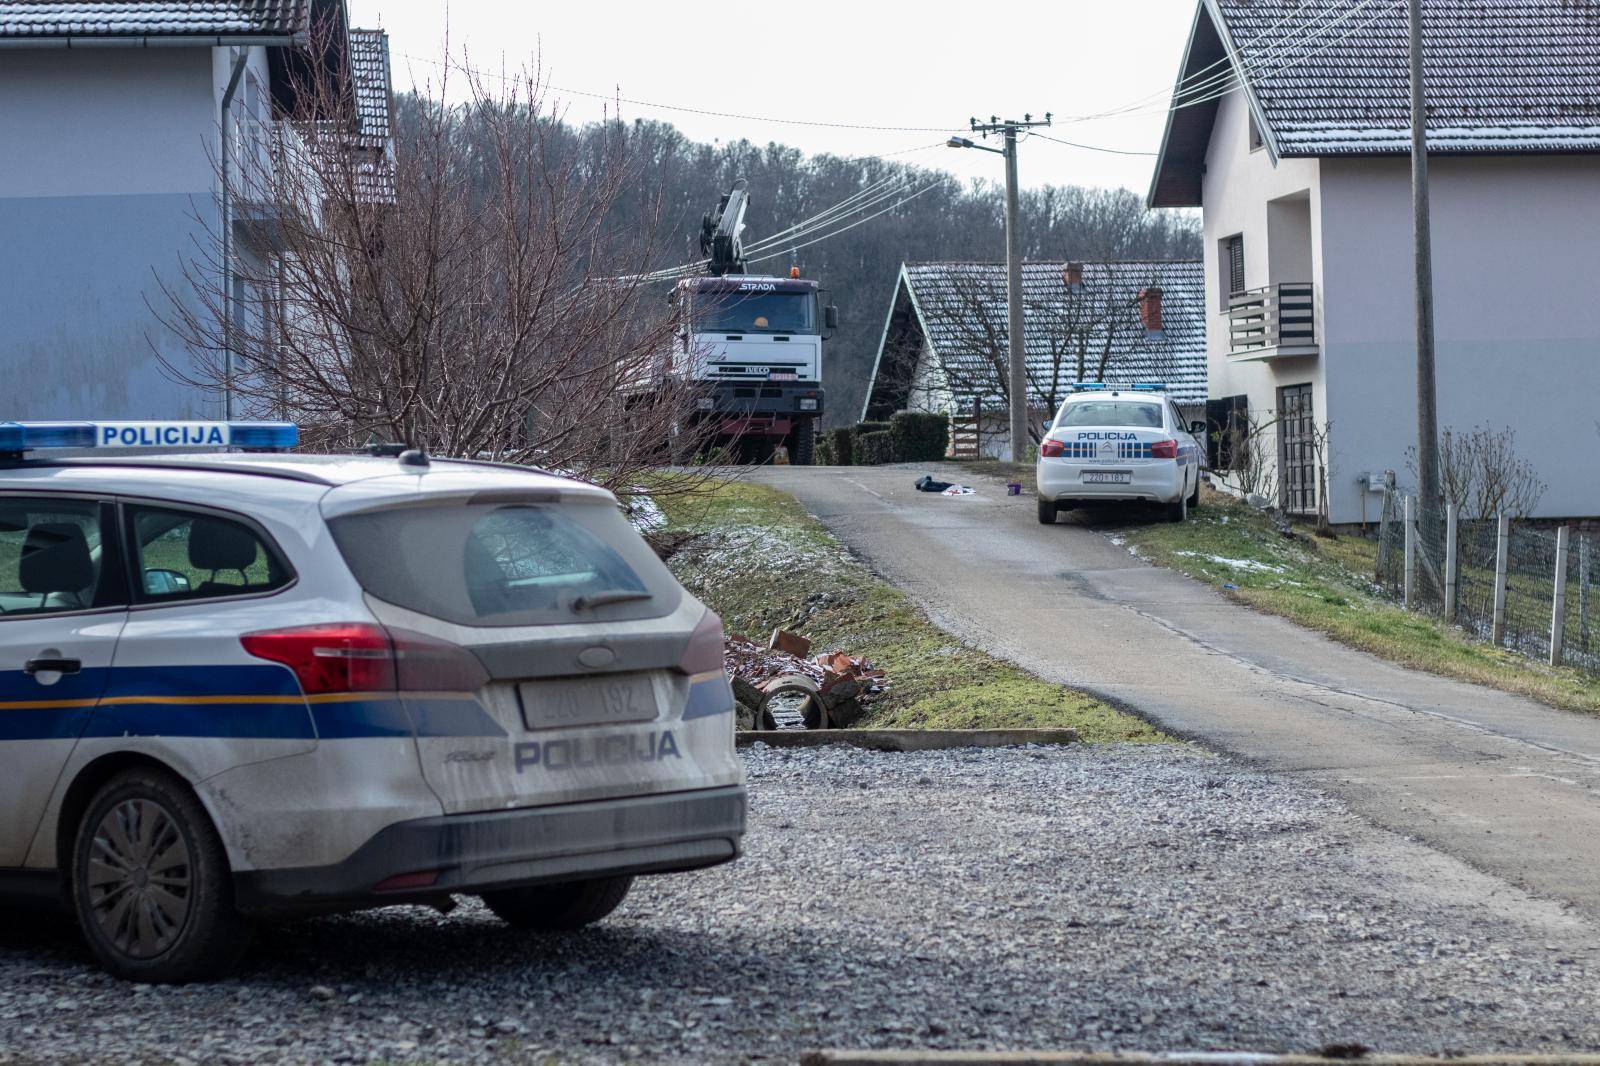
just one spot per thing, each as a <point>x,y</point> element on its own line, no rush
<point>1427,396</point>
<point>1017,384</point>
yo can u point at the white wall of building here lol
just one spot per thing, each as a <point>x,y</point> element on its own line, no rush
<point>1516,246</point>
<point>1516,243</point>
<point>107,180</point>
<point>1244,193</point>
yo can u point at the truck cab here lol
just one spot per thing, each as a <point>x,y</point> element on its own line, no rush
<point>756,343</point>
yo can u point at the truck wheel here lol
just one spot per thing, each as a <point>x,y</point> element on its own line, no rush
<point>1047,512</point>
<point>551,908</point>
<point>803,443</point>
<point>150,883</point>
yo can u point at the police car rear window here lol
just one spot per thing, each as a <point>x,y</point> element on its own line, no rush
<point>1125,414</point>
<point>507,565</point>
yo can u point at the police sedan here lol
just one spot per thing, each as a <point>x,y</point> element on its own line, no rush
<point>242,684</point>
<point>1111,444</point>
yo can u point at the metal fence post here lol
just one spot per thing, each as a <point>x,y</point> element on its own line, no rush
<point>1410,579</point>
<point>1585,546</point>
<point>1558,614</point>
<point>1502,549</point>
<point>1452,560</point>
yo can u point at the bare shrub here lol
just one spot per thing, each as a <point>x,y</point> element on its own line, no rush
<point>1482,474</point>
<point>471,291</point>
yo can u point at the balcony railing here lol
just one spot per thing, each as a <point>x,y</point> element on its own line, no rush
<point>1278,320</point>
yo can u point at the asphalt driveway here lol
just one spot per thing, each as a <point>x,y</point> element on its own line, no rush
<point>1502,782</point>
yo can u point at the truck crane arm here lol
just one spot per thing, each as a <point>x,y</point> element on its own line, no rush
<point>721,232</point>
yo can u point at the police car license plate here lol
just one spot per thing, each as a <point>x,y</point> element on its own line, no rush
<point>1102,477</point>
<point>590,701</point>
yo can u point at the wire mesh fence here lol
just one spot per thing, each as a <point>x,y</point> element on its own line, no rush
<point>1512,602</point>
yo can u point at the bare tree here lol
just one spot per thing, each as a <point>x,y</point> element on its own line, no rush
<point>476,296</point>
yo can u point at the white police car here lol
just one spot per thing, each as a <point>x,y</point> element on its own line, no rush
<point>235,685</point>
<point>1112,444</point>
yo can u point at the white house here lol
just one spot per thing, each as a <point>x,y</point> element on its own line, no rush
<point>1290,130</point>
<point>111,117</point>
<point>945,348</point>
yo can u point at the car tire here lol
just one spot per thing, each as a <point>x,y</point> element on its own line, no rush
<point>1178,511</point>
<point>1194,497</point>
<point>1048,510</point>
<point>150,883</point>
<point>554,908</point>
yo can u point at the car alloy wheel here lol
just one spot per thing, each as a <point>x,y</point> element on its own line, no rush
<point>140,880</point>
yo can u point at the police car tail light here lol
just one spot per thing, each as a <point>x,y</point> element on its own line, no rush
<point>704,652</point>
<point>1164,449</point>
<point>1052,449</point>
<point>338,657</point>
<point>427,664</point>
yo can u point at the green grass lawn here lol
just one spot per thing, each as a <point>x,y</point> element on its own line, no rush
<point>762,562</point>
<point>1328,585</point>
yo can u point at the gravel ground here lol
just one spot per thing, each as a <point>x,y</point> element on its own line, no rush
<point>1141,898</point>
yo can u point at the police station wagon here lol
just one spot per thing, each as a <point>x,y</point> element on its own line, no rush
<point>245,684</point>
<point>1110,444</point>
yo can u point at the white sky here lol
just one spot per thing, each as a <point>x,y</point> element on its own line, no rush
<point>867,62</point>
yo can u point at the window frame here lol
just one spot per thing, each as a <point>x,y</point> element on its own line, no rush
<point>1225,273</point>
<point>112,591</point>
<point>139,600</point>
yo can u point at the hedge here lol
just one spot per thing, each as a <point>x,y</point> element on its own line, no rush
<point>873,449</point>
<point>870,427</point>
<point>841,444</point>
<point>919,436</point>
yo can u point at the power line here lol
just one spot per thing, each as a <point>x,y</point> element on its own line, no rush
<point>687,110</point>
<point>1090,147</point>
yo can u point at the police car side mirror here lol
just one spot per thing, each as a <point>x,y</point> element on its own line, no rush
<point>164,582</point>
<point>1199,430</point>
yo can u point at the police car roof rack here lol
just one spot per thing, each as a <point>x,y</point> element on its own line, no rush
<point>19,438</point>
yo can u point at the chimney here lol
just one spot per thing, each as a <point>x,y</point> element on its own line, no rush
<point>1072,276</point>
<point>1150,309</point>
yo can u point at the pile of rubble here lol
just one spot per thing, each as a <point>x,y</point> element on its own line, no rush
<point>825,692</point>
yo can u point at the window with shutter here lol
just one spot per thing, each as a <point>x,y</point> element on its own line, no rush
<point>1232,268</point>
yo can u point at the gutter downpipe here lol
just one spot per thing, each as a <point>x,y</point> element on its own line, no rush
<point>240,56</point>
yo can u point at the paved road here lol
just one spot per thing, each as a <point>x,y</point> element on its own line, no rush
<point>1505,783</point>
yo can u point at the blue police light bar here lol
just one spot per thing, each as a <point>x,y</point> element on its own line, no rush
<point>1150,386</point>
<point>1089,386</point>
<point>18,437</point>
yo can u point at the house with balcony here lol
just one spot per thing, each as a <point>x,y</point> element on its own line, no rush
<point>945,345</point>
<point>1290,131</point>
<point>115,121</point>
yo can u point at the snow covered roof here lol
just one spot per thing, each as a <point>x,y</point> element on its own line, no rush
<point>369,76</point>
<point>1332,77</point>
<point>154,18</point>
<point>959,310</point>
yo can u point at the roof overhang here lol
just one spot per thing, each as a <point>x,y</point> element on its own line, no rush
<point>1181,165</point>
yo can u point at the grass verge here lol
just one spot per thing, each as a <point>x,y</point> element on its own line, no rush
<point>762,562</point>
<point>1328,585</point>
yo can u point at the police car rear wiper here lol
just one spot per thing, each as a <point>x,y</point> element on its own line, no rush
<point>603,599</point>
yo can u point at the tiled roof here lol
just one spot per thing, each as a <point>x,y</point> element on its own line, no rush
<point>369,74</point>
<point>153,18</point>
<point>1333,76</point>
<point>961,309</point>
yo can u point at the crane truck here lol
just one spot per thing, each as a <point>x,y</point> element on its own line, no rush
<point>753,342</point>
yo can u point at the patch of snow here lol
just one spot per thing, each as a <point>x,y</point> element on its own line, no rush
<point>1251,565</point>
<point>644,512</point>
